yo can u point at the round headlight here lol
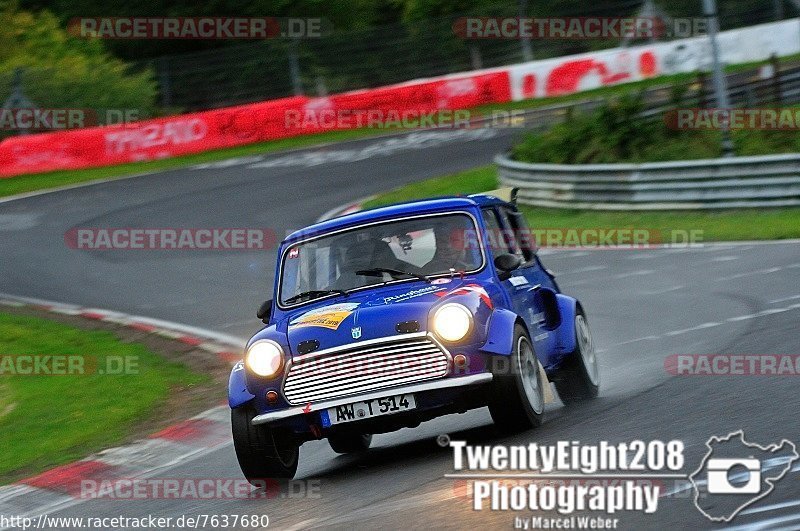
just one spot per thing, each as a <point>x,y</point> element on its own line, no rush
<point>264,358</point>
<point>452,322</point>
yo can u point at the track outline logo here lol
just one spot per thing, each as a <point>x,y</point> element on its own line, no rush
<point>715,475</point>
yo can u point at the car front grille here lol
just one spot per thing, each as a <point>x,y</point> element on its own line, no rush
<point>364,367</point>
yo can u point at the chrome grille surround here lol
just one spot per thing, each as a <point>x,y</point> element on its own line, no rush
<point>365,366</point>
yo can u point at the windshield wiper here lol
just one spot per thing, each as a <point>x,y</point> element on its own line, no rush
<point>316,293</point>
<point>378,271</point>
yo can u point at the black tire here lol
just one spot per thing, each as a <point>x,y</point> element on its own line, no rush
<point>263,452</point>
<point>517,401</point>
<point>349,443</point>
<point>579,377</point>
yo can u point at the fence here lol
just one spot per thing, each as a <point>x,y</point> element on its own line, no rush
<point>359,59</point>
<point>355,59</point>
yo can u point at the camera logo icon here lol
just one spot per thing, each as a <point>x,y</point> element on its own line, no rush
<point>734,476</point>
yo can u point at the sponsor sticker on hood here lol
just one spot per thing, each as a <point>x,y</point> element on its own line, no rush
<point>326,317</point>
<point>413,294</point>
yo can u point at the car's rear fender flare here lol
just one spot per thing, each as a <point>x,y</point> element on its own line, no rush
<point>238,394</point>
<point>566,341</point>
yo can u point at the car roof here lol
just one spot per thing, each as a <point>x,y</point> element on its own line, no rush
<point>397,210</point>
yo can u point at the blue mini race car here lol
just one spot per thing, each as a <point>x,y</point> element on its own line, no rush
<point>389,317</point>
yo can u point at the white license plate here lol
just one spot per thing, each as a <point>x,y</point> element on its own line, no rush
<point>367,409</point>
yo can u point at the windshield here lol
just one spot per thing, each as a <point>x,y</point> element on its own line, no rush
<point>404,249</point>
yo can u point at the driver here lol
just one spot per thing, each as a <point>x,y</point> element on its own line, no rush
<point>449,254</point>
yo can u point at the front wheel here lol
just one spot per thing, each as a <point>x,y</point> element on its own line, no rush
<point>349,443</point>
<point>263,452</point>
<point>517,401</point>
<point>579,377</point>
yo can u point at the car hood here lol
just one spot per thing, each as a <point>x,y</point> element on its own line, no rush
<point>372,313</point>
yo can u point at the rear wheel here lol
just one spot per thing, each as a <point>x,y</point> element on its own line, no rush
<point>263,452</point>
<point>517,401</point>
<point>579,377</point>
<point>348,443</point>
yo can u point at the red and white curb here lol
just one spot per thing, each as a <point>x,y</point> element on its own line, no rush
<point>227,348</point>
<point>62,486</point>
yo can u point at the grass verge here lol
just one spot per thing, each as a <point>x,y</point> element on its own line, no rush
<point>46,420</point>
<point>720,225</point>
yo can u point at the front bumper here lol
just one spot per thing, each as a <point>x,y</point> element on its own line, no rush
<point>448,383</point>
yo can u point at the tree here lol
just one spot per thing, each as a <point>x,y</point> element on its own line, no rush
<point>60,71</point>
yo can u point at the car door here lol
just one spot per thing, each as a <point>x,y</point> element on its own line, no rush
<point>514,237</point>
<point>524,242</point>
<point>502,240</point>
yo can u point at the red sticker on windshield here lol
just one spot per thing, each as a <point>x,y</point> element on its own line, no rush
<point>294,253</point>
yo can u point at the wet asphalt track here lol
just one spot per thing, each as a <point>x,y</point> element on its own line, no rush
<point>643,306</point>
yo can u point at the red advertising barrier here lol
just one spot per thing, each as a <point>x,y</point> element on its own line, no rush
<point>283,118</point>
<point>235,126</point>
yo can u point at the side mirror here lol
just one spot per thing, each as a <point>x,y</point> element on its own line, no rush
<point>505,264</point>
<point>264,311</point>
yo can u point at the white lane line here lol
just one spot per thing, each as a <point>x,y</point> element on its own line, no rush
<point>741,318</point>
<point>641,256</point>
<point>703,326</point>
<point>762,313</point>
<point>784,299</point>
<point>692,329</point>
<point>786,528</point>
<point>724,259</point>
<point>662,291</point>
<point>638,339</point>
<point>749,273</point>
<point>638,273</point>
<point>773,507</point>
<point>773,311</point>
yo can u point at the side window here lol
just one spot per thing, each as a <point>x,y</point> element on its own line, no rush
<point>493,232</point>
<point>524,236</point>
<point>523,242</point>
